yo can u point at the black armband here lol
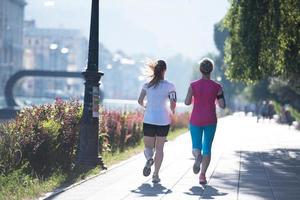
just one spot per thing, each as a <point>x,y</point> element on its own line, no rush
<point>220,96</point>
<point>172,96</point>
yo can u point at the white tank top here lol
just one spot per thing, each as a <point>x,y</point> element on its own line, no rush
<point>157,110</point>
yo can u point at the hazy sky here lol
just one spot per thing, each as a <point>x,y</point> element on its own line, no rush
<point>158,28</point>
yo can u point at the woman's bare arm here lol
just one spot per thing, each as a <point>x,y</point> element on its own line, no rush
<point>221,99</point>
<point>188,98</point>
<point>142,97</point>
<point>173,99</point>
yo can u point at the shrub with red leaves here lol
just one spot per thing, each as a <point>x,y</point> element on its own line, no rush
<point>46,137</point>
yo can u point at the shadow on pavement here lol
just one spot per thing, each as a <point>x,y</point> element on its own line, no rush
<point>147,189</point>
<point>273,174</point>
<point>207,192</point>
<point>195,191</point>
<point>277,164</point>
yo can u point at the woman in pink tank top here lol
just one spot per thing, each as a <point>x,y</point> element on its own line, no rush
<point>205,93</point>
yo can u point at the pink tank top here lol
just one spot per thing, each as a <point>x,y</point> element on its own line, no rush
<point>204,108</point>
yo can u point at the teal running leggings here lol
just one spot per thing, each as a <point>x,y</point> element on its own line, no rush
<point>202,137</point>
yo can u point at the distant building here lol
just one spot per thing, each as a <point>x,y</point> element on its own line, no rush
<point>53,49</point>
<point>11,38</point>
<point>128,73</point>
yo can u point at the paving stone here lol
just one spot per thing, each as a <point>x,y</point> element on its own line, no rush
<point>255,193</point>
<point>287,194</point>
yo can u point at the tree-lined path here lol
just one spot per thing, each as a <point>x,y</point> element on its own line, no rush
<point>250,161</point>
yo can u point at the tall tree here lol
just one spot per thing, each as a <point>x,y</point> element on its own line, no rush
<point>232,88</point>
<point>263,46</point>
<point>264,40</point>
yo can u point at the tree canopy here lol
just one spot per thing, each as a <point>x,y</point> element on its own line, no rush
<point>264,41</point>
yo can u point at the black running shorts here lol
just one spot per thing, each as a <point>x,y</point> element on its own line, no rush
<point>152,130</point>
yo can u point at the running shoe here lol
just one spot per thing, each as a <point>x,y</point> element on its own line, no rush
<point>197,163</point>
<point>155,179</point>
<point>202,179</point>
<point>147,168</point>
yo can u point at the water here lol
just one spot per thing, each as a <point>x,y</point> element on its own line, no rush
<point>111,104</point>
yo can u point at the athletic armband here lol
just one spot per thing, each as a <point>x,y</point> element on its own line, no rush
<point>172,96</point>
<point>220,96</point>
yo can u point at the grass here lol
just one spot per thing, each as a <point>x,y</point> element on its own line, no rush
<point>111,159</point>
<point>19,185</point>
<point>174,134</point>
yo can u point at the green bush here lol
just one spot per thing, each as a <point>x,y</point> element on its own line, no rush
<point>45,138</point>
<point>122,129</point>
<point>38,148</point>
<point>10,150</point>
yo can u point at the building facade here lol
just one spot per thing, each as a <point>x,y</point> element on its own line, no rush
<point>11,38</point>
<point>55,50</point>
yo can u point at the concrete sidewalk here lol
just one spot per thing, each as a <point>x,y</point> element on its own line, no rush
<point>249,161</point>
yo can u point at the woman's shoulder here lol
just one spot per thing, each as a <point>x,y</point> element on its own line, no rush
<point>216,84</point>
<point>167,82</point>
<point>145,86</point>
<point>194,82</point>
<point>202,81</point>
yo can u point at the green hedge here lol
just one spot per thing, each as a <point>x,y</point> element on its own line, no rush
<point>44,138</point>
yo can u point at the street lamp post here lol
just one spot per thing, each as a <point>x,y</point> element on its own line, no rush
<point>89,125</point>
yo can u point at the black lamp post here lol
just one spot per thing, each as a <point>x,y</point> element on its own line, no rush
<point>89,127</point>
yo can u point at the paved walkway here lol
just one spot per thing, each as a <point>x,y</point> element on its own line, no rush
<point>251,161</point>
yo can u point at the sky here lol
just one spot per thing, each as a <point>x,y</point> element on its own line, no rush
<point>158,28</point>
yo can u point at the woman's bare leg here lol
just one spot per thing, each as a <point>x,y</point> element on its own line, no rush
<point>205,164</point>
<point>149,143</point>
<point>159,153</point>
